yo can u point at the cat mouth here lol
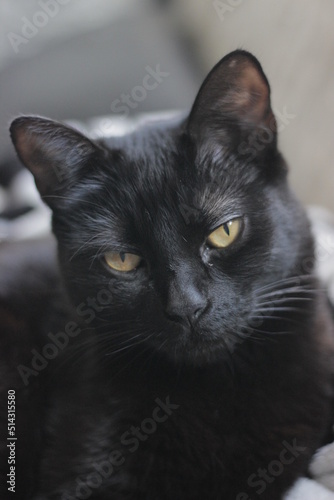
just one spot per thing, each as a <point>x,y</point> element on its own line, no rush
<point>195,345</point>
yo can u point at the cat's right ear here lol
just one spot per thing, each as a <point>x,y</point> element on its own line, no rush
<point>54,153</point>
<point>235,95</point>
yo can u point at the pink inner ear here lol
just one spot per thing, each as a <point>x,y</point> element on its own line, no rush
<point>31,147</point>
<point>30,150</point>
<point>250,97</point>
<point>24,143</point>
<point>235,90</point>
<point>54,153</point>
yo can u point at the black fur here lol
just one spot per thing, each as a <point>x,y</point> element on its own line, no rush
<point>222,358</point>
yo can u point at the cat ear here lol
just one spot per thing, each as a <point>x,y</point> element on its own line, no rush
<point>236,92</point>
<point>54,153</point>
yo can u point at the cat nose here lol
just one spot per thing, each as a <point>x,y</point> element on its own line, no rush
<point>186,306</point>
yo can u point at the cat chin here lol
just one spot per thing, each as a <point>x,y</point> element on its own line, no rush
<point>201,356</point>
<point>197,350</point>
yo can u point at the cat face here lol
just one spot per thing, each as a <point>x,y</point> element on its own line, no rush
<point>185,227</point>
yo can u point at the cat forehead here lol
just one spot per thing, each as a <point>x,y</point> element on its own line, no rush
<point>165,188</point>
<point>165,151</point>
<point>157,166</point>
<point>144,162</point>
<point>146,143</point>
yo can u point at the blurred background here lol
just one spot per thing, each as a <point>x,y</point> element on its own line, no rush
<point>77,59</point>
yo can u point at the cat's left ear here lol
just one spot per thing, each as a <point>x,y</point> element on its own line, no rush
<point>235,93</point>
<point>56,155</point>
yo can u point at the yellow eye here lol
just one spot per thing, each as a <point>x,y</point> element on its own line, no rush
<point>225,234</point>
<point>122,261</point>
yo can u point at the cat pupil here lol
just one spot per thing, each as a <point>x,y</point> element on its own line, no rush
<point>226,229</point>
<point>122,256</point>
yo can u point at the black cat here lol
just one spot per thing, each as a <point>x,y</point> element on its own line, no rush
<point>191,355</point>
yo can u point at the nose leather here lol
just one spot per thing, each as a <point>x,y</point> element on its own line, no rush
<point>186,303</point>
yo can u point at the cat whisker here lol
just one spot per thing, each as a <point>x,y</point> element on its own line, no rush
<point>75,352</point>
<point>287,291</point>
<point>282,284</point>
<point>281,308</point>
<point>269,335</point>
<point>284,300</point>
<point>140,353</point>
<point>290,279</point>
<point>298,293</point>
<point>282,319</point>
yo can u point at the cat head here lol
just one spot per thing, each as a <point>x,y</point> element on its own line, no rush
<point>174,236</point>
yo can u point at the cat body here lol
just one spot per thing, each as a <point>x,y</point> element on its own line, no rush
<point>187,344</point>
